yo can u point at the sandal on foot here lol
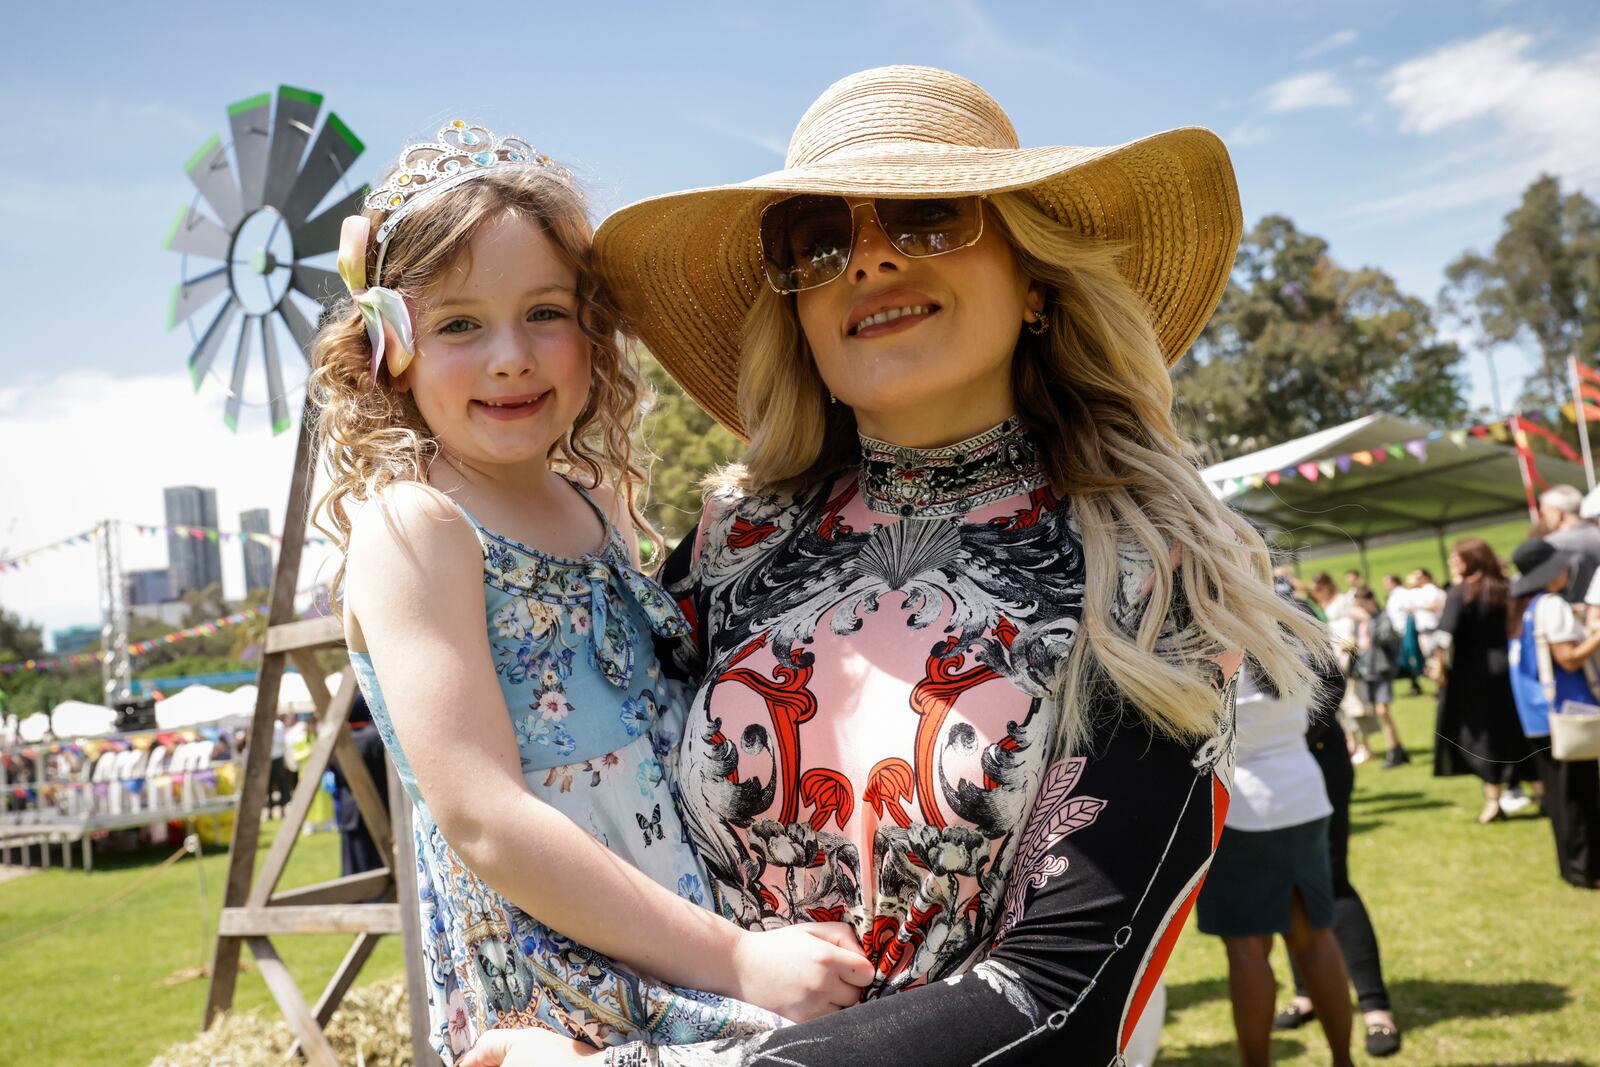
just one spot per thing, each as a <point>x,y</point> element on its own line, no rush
<point>1382,1040</point>
<point>1292,1018</point>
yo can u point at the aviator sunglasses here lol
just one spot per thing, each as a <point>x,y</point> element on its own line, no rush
<point>806,240</point>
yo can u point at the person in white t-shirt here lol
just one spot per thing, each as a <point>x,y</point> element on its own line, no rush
<point>1272,874</point>
<point>1396,605</point>
<point>1426,604</point>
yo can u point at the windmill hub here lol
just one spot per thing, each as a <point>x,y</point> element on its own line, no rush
<point>262,261</point>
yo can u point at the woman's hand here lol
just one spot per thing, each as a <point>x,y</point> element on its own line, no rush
<point>525,1048</point>
<point>803,971</point>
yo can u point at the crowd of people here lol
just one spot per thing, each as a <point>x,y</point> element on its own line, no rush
<point>1517,693</point>
<point>1507,655</point>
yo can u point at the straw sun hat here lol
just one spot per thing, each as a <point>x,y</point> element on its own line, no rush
<point>686,267</point>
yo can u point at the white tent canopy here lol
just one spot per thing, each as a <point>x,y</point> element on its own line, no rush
<point>1458,485</point>
<point>34,727</point>
<point>74,718</point>
<point>194,706</point>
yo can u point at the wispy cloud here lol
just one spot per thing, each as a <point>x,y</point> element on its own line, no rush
<point>1342,39</point>
<point>1317,88</point>
<point>981,39</point>
<point>1248,133</point>
<point>769,143</point>
<point>1532,115</point>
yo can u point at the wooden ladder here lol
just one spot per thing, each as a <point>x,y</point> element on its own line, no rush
<point>253,912</point>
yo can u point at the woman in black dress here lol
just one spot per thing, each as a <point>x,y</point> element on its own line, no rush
<point>1477,722</point>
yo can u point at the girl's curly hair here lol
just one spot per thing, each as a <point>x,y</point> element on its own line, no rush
<point>373,434</point>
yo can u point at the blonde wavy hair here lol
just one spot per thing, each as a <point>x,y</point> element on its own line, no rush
<point>1095,392</point>
<point>372,434</point>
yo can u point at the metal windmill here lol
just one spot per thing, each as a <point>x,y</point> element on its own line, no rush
<point>261,235</point>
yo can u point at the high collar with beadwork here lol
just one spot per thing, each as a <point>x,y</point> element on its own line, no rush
<point>953,480</point>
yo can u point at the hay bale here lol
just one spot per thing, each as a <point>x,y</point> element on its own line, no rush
<point>371,1028</point>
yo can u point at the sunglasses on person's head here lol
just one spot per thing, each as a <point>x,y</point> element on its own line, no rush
<point>806,240</point>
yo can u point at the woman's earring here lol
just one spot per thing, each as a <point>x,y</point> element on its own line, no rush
<point>1039,326</point>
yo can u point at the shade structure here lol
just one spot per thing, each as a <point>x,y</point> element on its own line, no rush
<point>294,695</point>
<point>193,706</point>
<point>34,728</point>
<point>74,718</point>
<point>1462,481</point>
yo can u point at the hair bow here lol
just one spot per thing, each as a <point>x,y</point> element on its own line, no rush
<point>381,309</point>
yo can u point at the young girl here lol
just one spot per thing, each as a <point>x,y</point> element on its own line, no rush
<point>475,397</point>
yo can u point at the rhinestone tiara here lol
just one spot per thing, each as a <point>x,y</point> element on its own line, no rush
<point>461,152</point>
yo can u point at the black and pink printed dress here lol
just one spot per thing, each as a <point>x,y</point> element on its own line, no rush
<point>875,664</point>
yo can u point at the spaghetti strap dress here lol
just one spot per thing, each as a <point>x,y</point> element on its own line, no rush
<point>596,728</point>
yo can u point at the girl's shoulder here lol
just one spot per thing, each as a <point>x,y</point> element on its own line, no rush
<point>408,528</point>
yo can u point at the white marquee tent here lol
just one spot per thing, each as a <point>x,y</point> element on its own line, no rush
<point>74,718</point>
<point>1463,481</point>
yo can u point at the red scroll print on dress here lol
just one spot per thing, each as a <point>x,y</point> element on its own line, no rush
<point>829,796</point>
<point>932,698</point>
<point>789,704</point>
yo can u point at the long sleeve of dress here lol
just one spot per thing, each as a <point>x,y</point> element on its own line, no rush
<point>1111,860</point>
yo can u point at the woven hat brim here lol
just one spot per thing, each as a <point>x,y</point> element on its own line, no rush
<point>686,267</point>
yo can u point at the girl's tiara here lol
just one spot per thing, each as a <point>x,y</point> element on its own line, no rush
<point>460,153</point>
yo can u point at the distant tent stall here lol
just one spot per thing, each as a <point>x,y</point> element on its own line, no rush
<point>1331,489</point>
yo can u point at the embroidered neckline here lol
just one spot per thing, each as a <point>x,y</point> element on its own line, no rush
<point>952,480</point>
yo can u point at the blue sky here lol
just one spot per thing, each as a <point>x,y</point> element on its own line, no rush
<point>1400,132</point>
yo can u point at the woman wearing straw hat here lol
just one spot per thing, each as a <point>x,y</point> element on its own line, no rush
<point>966,620</point>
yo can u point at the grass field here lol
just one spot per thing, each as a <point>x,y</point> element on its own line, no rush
<point>1403,558</point>
<point>1491,959</point>
<point>93,994</point>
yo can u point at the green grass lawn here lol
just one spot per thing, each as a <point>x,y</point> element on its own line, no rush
<point>93,993</point>
<point>1406,556</point>
<point>1490,957</point>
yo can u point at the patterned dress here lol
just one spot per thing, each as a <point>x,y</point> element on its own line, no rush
<point>872,741</point>
<point>597,730</point>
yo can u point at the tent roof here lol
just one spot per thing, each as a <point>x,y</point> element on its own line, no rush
<point>1473,482</point>
<point>75,718</point>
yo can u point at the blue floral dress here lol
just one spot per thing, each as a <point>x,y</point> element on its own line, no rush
<point>597,728</point>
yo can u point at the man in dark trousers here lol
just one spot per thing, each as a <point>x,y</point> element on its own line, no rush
<point>357,853</point>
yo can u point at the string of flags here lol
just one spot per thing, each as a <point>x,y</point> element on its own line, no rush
<point>15,563</point>
<point>198,533</point>
<point>1513,430</point>
<point>138,649</point>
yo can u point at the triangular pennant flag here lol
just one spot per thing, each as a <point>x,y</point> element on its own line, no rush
<point>1344,464</point>
<point>1395,451</point>
<point>1458,438</point>
<point>1499,432</point>
<point>1363,457</point>
<point>1256,481</point>
<point>1274,478</point>
<point>1418,450</point>
<point>1327,467</point>
<point>1586,373</point>
<point>1308,471</point>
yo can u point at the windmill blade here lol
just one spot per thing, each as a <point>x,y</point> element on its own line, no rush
<point>304,333</point>
<point>241,360</point>
<point>193,232</point>
<point>291,129</point>
<point>321,234</point>
<point>336,149</point>
<point>212,174</point>
<point>251,121</point>
<point>275,397</point>
<point>323,286</point>
<point>205,353</point>
<point>190,295</point>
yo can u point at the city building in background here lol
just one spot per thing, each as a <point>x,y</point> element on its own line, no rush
<point>75,639</point>
<point>192,562</point>
<point>257,556</point>
<point>152,586</point>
